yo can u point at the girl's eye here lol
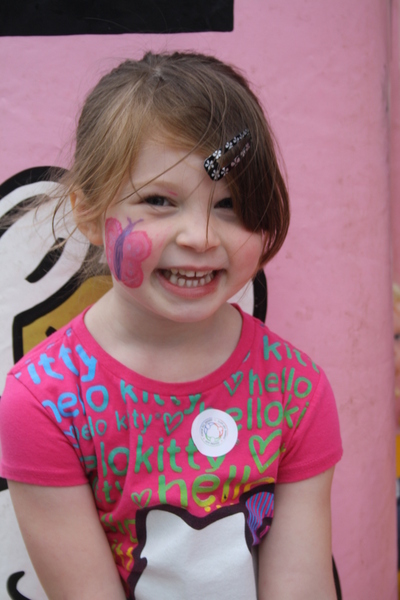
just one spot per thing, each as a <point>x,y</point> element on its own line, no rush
<point>157,201</point>
<point>225,203</point>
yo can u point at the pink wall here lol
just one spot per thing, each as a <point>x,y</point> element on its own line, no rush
<point>321,69</point>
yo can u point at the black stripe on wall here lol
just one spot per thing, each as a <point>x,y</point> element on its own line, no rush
<point>77,17</point>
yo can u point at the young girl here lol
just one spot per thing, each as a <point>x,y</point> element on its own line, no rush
<point>164,444</point>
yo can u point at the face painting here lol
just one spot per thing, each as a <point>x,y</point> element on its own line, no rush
<point>125,250</point>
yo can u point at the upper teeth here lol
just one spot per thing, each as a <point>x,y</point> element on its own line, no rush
<point>185,273</point>
<point>184,278</point>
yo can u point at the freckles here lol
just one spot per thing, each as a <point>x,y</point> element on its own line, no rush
<point>126,249</point>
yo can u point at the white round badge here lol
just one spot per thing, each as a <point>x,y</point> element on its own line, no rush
<point>214,432</point>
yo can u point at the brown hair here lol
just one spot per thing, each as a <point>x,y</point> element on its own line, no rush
<point>200,102</point>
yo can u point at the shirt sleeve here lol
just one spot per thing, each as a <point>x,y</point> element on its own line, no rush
<point>34,449</point>
<point>315,445</point>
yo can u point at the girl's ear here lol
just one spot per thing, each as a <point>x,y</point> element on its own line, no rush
<point>92,230</point>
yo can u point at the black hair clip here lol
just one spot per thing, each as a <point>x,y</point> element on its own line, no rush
<point>211,164</point>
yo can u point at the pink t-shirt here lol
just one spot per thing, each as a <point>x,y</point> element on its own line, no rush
<point>71,414</point>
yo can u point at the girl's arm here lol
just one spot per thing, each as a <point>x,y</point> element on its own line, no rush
<point>295,559</point>
<point>66,542</point>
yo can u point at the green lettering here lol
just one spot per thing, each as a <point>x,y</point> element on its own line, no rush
<point>200,487</point>
<point>160,456</point>
<point>173,450</point>
<point>287,412</point>
<point>215,463</point>
<point>308,388</point>
<point>106,489</point>
<point>193,401</point>
<point>278,420</point>
<point>163,488</point>
<point>191,449</point>
<point>142,457</point>
<point>111,460</point>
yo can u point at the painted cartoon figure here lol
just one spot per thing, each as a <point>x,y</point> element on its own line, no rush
<point>181,446</point>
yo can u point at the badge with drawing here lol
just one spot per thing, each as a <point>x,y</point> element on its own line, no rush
<point>43,288</point>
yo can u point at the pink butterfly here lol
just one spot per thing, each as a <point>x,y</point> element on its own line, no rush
<point>125,251</point>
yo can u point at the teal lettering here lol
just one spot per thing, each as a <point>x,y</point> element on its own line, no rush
<point>193,401</point>
<point>85,432</point>
<point>307,390</point>
<point>299,359</point>
<point>104,394</point>
<point>288,351</point>
<point>252,379</point>
<point>135,415</point>
<point>271,348</point>
<point>126,390</point>
<point>146,423</point>
<point>111,460</point>
<point>99,423</point>
<point>271,382</point>
<point>120,421</point>
<point>158,400</point>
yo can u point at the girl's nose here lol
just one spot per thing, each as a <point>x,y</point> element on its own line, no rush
<point>197,231</point>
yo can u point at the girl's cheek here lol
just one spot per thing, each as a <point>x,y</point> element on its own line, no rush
<point>126,249</point>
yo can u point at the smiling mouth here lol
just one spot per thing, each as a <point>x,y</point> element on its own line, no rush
<point>184,278</point>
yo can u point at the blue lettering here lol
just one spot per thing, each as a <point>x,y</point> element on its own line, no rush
<point>90,363</point>
<point>67,400</point>
<point>64,355</point>
<point>45,362</point>
<point>53,407</point>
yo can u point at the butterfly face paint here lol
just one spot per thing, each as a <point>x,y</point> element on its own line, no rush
<point>126,249</point>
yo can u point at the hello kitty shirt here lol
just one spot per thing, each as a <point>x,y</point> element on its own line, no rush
<point>182,518</point>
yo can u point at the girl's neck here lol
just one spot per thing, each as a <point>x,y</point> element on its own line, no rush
<point>161,349</point>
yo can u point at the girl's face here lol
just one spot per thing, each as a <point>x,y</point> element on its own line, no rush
<point>168,255</point>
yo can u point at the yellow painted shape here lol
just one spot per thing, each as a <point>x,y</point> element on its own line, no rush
<point>89,292</point>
